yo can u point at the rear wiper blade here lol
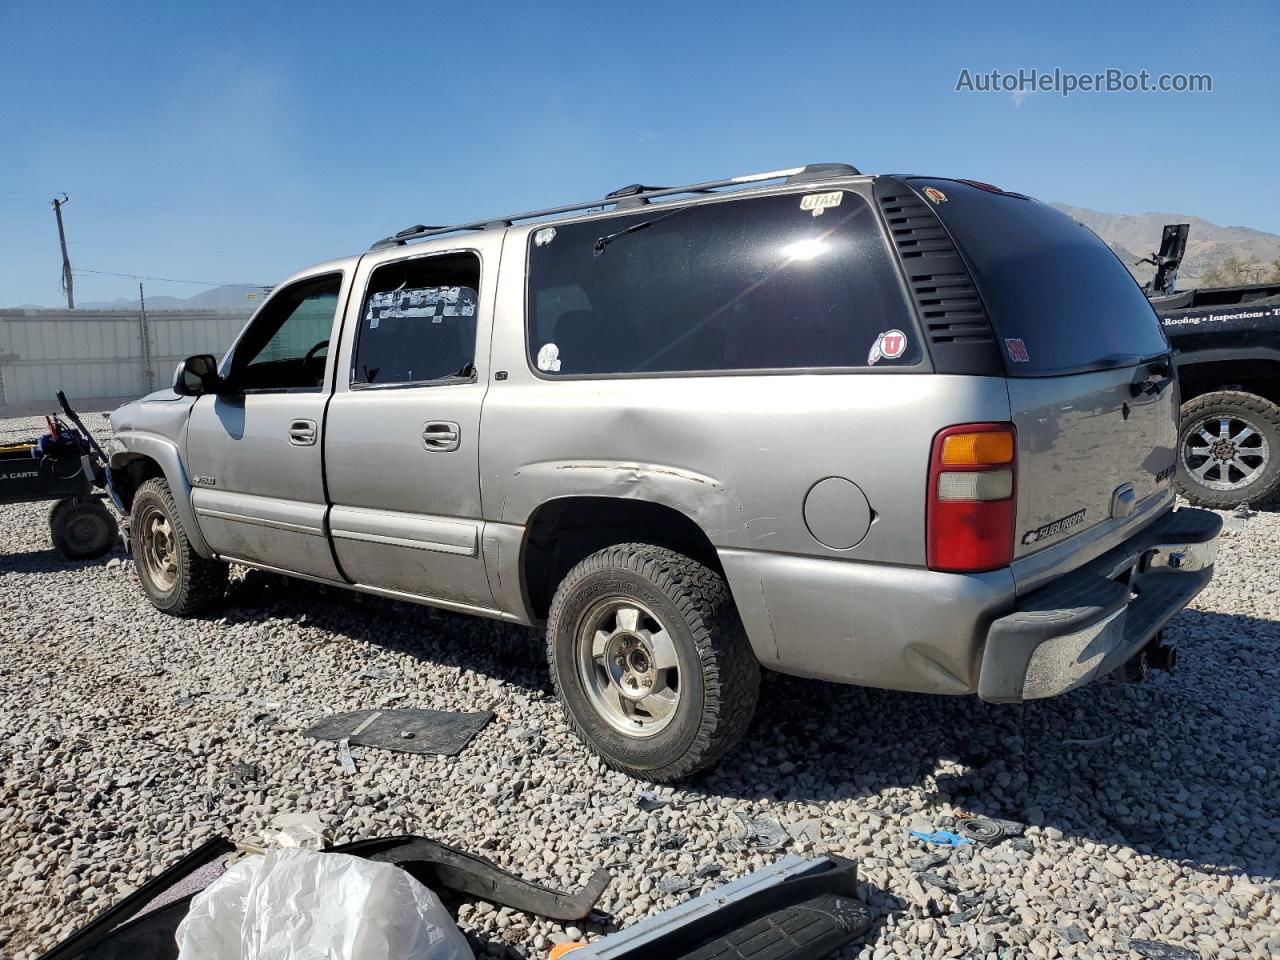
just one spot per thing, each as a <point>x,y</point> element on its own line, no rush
<point>608,238</point>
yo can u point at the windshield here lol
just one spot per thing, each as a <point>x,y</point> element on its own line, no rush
<point>1060,300</point>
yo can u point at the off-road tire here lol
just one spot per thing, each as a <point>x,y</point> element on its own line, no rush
<point>1256,410</point>
<point>718,674</point>
<point>200,583</point>
<point>82,529</point>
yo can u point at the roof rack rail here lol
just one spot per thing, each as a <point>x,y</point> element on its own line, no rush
<point>634,195</point>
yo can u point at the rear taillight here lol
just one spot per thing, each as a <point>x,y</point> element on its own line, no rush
<point>972,498</point>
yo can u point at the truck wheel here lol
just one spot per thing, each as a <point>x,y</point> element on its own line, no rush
<point>1228,449</point>
<point>651,661</point>
<point>176,579</point>
<point>82,529</point>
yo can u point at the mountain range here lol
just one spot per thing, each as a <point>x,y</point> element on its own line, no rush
<point>1136,235</point>
<point>1131,235</point>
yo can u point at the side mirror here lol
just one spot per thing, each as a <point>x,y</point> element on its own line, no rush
<point>196,376</point>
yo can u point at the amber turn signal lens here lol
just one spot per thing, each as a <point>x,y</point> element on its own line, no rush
<point>977,449</point>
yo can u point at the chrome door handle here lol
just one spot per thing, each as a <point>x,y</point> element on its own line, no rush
<point>302,433</point>
<point>440,436</point>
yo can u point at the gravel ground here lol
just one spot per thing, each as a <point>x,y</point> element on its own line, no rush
<point>1151,811</point>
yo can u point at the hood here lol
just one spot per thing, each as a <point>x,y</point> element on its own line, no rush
<point>155,413</point>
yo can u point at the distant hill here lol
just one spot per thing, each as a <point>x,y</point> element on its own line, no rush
<point>228,297</point>
<point>1134,236</point>
<point>1131,235</point>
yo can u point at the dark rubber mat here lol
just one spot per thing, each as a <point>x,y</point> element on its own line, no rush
<point>442,732</point>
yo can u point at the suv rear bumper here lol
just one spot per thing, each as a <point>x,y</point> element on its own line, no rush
<point>1091,621</point>
<point>907,628</point>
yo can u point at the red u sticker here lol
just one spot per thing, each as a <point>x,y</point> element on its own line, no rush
<point>890,345</point>
<point>1017,350</point>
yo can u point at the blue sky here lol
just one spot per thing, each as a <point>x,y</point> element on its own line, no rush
<point>238,142</point>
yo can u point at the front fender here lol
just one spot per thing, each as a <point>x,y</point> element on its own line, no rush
<point>131,445</point>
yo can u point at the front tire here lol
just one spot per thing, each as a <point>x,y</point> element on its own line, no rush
<point>650,661</point>
<point>175,578</point>
<point>1228,449</point>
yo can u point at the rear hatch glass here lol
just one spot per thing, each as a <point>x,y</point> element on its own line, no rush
<point>1094,453</point>
<point>1060,300</point>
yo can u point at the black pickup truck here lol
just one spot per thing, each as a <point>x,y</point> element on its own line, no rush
<point>1226,343</point>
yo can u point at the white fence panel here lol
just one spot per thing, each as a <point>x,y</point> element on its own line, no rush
<point>101,354</point>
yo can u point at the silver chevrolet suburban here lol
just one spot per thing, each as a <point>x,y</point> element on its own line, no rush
<point>898,431</point>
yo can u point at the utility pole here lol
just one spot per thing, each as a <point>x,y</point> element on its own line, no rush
<point>148,375</point>
<point>66,260</point>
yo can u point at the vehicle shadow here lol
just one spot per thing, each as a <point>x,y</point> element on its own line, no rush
<point>504,651</point>
<point>1178,767</point>
<point>1167,767</point>
<point>49,561</point>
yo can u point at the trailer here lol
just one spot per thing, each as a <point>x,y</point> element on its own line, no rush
<point>65,466</point>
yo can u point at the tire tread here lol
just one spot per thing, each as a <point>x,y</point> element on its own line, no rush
<point>731,674</point>
<point>202,583</point>
<point>1255,406</point>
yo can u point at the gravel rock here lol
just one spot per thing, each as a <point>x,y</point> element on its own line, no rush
<point>127,738</point>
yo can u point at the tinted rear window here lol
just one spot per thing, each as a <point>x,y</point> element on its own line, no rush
<point>752,284</point>
<point>1060,300</point>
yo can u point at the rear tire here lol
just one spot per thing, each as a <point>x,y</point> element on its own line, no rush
<point>175,578</point>
<point>650,661</point>
<point>82,529</point>
<point>1217,477</point>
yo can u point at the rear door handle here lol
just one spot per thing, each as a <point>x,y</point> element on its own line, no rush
<point>302,433</point>
<point>440,436</point>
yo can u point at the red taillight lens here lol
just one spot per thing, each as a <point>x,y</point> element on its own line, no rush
<point>972,498</point>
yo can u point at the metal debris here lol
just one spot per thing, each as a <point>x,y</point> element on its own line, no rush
<point>764,833</point>
<point>945,884</point>
<point>673,841</point>
<point>649,802</point>
<point>344,757</point>
<point>1154,950</point>
<point>671,885</point>
<point>243,774</point>
<point>379,673</point>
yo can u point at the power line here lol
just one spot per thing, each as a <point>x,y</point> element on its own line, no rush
<point>203,283</point>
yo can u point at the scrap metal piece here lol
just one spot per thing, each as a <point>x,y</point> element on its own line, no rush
<point>764,833</point>
<point>1155,950</point>
<point>442,732</point>
<point>344,757</point>
<point>649,802</point>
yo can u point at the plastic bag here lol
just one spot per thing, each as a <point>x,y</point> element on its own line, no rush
<point>294,904</point>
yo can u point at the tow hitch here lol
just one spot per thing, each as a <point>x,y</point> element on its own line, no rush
<point>1154,656</point>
